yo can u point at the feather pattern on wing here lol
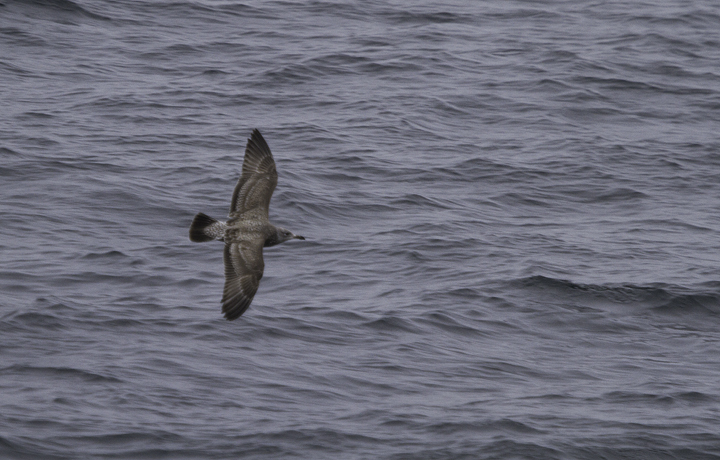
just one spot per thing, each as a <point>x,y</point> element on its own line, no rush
<point>258,180</point>
<point>244,267</point>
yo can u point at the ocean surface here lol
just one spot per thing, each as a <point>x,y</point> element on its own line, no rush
<point>512,213</point>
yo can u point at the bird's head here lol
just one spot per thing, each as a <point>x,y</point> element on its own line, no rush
<point>282,235</point>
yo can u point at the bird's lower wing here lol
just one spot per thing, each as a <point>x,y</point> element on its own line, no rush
<point>243,270</point>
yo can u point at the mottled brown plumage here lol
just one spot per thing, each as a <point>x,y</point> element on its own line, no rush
<point>248,228</point>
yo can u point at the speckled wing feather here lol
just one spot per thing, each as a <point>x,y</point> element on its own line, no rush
<point>258,180</point>
<point>244,267</point>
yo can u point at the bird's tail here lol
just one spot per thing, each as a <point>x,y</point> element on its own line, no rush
<point>205,228</point>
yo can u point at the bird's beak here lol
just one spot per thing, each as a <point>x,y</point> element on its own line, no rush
<point>298,237</point>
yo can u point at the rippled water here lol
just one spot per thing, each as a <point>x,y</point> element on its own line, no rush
<point>511,209</point>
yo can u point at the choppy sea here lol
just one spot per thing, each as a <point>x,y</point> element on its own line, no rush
<point>512,213</point>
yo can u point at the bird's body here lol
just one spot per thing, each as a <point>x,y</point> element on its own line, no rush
<point>248,228</point>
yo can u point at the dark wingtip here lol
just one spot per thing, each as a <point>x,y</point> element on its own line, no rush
<point>232,315</point>
<point>234,309</point>
<point>256,135</point>
<point>257,144</point>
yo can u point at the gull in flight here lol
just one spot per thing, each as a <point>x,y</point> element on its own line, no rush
<point>247,230</point>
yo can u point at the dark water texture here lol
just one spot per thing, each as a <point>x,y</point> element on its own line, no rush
<point>511,209</point>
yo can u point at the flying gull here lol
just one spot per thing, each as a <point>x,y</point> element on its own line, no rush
<point>247,230</point>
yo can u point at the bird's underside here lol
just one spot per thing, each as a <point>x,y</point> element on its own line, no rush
<point>247,230</point>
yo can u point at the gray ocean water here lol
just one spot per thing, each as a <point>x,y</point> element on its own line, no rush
<point>512,211</point>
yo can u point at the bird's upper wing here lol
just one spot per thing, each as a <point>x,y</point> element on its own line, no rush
<point>243,270</point>
<point>258,180</point>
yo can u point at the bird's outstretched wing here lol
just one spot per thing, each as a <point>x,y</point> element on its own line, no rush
<point>244,267</point>
<point>258,180</point>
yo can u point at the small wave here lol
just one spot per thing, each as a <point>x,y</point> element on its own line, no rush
<point>32,321</point>
<point>627,397</point>
<point>104,255</point>
<point>662,298</point>
<point>55,372</point>
<point>502,425</point>
<point>417,200</point>
<point>450,324</point>
<point>63,11</point>
<point>8,68</point>
<point>435,17</point>
<point>697,303</point>
<point>215,73</point>
<point>391,323</point>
